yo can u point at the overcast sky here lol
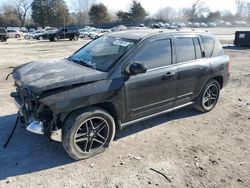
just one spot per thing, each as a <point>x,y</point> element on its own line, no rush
<point>153,5</point>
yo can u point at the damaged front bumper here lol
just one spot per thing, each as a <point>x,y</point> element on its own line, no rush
<point>32,125</point>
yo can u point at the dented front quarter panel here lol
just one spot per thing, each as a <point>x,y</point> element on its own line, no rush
<point>88,94</point>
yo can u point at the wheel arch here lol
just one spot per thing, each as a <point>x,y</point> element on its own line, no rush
<point>220,80</point>
<point>107,106</point>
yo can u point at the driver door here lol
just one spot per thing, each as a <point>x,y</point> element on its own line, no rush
<point>155,90</point>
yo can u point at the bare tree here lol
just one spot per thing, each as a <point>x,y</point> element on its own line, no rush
<point>239,7</point>
<point>82,8</point>
<point>166,13</point>
<point>84,5</point>
<point>21,8</point>
<point>198,8</point>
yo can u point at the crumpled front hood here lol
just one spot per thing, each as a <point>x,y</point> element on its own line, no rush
<point>42,76</point>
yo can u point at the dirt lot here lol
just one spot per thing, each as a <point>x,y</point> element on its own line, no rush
<point>192,149</point>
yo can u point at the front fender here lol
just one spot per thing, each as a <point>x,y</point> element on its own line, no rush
<point>85,95</point>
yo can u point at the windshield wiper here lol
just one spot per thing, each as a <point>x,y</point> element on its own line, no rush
<point>82,63</point>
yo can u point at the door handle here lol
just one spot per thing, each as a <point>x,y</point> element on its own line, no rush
<point>168,75</point>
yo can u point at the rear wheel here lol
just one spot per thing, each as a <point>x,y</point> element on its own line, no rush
<point>3,39</point>
<point>40,38</point>
<point>88,133</point>
<point>17,36</point>
<point>208,97</point>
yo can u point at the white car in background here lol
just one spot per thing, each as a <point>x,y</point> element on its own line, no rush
<point>31,35</point>
<point>14,33</point>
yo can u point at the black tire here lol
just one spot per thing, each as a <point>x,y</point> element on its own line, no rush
<point>208,97</point>
<point>17,36</point>
<point>40,38</point>
<point>87,133</point>
<point>3,39</point>
<point>75,37</point>
<point>55,38</point>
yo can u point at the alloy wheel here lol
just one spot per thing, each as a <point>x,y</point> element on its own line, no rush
<point>210,96</point>
<point>92,135</point>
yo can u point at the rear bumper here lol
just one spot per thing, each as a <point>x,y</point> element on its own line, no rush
<point>226,79</point>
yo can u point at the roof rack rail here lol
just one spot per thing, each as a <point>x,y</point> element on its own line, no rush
<point>192,29</point>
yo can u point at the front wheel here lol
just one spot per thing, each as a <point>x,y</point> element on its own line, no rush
<point>208,96</point>
<point>55,38</point>
<point>76,37</point>
<point>87,133</point>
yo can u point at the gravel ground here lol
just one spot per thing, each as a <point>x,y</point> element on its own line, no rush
<point>192,149</point>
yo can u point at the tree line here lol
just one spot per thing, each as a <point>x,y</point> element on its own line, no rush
<point>56,13</point>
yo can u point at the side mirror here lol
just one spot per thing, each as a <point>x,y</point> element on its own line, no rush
<point>137,68</point>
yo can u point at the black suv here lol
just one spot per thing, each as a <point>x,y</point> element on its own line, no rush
<point>71,33</point>
<point>3,34</point>
<point>117,80</point>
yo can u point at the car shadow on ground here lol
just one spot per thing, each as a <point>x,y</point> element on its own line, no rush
<point>232,47</point>
<point>29,153</point>
<point>156,121</point>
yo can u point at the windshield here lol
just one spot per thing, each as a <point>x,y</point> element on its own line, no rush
<point>102,53</point>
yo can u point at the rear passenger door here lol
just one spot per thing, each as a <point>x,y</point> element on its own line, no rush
<point>192,67</point>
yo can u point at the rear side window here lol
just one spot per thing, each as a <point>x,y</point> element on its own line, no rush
<point>185,49</point>
<point>156,54</point>
<point>212,47</point>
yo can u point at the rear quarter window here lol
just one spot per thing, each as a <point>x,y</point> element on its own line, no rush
<point>218,50</point>
<point>212,46</point>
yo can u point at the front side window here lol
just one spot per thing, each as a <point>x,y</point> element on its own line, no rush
<point>102,53</point>
<point>185,49</point>
<point>155,54</point>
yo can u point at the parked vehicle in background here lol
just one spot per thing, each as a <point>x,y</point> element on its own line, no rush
<point>84,33</point>
<point>98,32</point>
<point>117,80</point>
<point>202,24</point>
<point>119,28</point>
<point>14,33</point>
<point>31,35</point>
<point>71,33</point>
<point>3,34</point>
<point>50,28</point>
<point>242,38</point>
<point>196,24</point>
<point>94,33</point>
<point>189,24</point>
<point>212,24</point>
<point>228,24</point>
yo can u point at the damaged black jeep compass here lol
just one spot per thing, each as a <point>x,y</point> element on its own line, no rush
<point>117,80</point>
